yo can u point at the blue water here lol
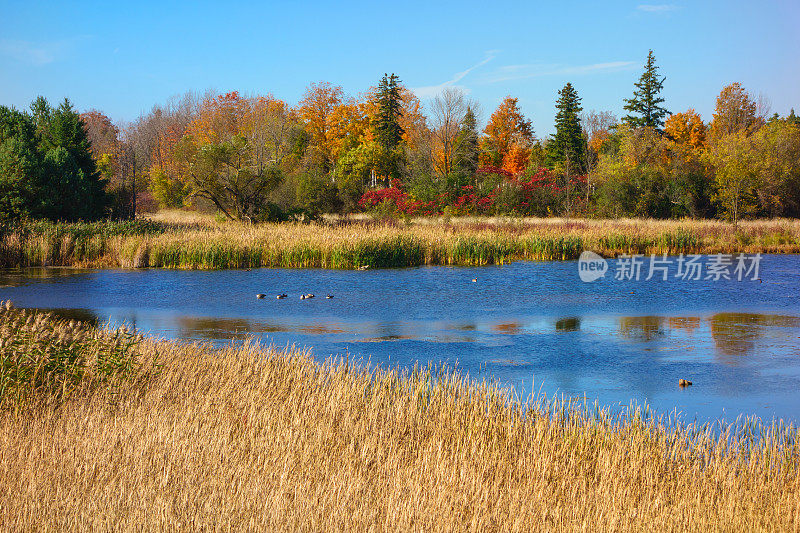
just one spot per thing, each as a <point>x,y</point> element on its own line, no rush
<point>534,326</point>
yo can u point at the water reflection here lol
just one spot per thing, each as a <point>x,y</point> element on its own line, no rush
<point>81,315</point>
<point>572,323</point>
<point>732,334</point>
<point>687,324</point>
<point>23,276</point>
<point>642,328</point>
<point>736,334</point>
<point>533,326</point>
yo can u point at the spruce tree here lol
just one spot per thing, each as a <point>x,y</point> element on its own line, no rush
<point>644,107</point>
<point>568,142</point>
<point>72,186</point>
<point>465,152</point>
<point>387,130</point>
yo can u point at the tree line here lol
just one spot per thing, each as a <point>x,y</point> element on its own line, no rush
<point>257,158</point>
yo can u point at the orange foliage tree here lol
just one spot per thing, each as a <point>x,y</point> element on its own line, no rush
<point>507,137</point>
<point>686,129</point>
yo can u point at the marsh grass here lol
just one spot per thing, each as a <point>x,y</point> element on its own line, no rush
<point>46,360</point>
<point>203,243</point>
<point>247,437</point>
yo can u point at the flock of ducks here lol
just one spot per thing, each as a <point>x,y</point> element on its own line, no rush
<point>284,295</point>
<point>309,296</point>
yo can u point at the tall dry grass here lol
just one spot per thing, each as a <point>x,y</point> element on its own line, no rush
<point>200,242</point>
<point>249,438</point>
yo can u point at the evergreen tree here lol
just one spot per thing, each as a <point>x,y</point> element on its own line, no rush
<point>568,143</point>
<point>387,130</point>
<point>644,107</point>
<point>466,150</point>
<point>20,165</point>
<point>72,188</point>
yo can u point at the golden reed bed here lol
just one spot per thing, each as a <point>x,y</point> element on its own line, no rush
<point>175,240</point>
<point>249,438</point>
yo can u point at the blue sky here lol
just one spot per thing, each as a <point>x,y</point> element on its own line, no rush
<point>122,57</point>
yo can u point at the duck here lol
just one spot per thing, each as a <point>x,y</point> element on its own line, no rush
<point>308,296</point>
<point>281,296</point>
<point>684,383</point>
<point>363,267</point>
<point>329,297</point>
<point>261,296</point>
<point>474,280</point>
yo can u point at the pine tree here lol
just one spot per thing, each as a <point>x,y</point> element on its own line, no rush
<point>793,119</point>
<point>644,107</point>
<point>568,143</point>
<point>73,187</point>
<point>387,130</point>
<point>466,150</point>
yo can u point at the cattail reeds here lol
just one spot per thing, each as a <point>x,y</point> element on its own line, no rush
<point>469,242</point>
<point>247,437</point>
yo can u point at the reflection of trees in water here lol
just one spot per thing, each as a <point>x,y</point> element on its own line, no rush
<point>509,328</point>
<point>643,328</point>
<point>736,333</point>
<point>224,328</point>
<point>81,315</point>
<point>22,276</point>
<point>572,323</point>
<point>685,323</point>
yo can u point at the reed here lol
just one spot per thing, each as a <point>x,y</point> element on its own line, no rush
<point>251,438</point>
<point>43,359</point>
<point>204,243</point>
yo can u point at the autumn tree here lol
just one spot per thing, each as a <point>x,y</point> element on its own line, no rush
<point>633,178</point>
<point>691,181</point>
<point>507,137</point>
<point>225,157</point>
<point>686,129</point>
<point>644,107</point>
<point>736,111</point>
<point>104,141</point>
<point>596,126</point>
<point>317,112</point>
<point>448,109</point>
<point>777,168</point>
<point>567,144</point>
<point>735,160</point>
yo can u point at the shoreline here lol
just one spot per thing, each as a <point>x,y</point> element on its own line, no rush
<point>206,244</point>
<point>175,435</point>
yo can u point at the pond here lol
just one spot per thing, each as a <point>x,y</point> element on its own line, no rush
<point>534,326</point>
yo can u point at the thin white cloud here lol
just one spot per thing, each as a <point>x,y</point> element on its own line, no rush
<point>37,53</point>
<point>656,8</point>
<point>432,90</point>
<point>537,70</point>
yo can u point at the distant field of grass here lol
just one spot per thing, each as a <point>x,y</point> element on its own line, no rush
<point>179,240</point>
<point>103,430</point>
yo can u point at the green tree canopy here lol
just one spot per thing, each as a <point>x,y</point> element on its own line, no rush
<point>20,165</point>
<point>46,165</point>
<point>466,149</point>
<point>386,126</point>
<point>644,107</point>
<point>568,143</point>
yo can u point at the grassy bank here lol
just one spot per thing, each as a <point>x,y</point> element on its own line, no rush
<point>203,243</point>
<point>245,438</point>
